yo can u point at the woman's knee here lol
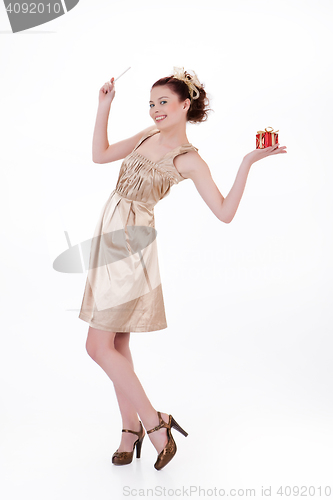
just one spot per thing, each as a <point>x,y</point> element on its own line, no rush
<point>98,342</point>
<point>121,340</point>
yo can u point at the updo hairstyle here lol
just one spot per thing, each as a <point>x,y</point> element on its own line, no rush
<point>198,110</point>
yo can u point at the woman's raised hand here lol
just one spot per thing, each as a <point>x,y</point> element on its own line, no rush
<point>258,154</point>
<point>107,92</point>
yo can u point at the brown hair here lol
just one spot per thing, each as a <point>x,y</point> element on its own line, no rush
<point>198,110</point>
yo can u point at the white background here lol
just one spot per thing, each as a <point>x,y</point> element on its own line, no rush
<point>245,365</point>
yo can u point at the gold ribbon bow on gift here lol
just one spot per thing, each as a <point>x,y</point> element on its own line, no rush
<point>191,81</point>
<point>266,130</point>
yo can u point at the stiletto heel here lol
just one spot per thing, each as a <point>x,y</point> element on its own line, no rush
<point>126,457</point>
<point>177,427</point>
<point>138,447</point>
<point>170,448</point>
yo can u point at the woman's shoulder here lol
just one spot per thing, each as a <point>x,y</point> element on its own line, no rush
<point>144,134</point>
<point>191,156</point>
<point>186,163</point>
<point>150,131</point>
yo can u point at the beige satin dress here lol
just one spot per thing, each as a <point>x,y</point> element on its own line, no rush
<point>123,291</point>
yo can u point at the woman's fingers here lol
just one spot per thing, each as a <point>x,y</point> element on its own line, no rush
<point>108,86</point>
<point>276,149</point>
<point>107,91</point>
<point>260,153</point>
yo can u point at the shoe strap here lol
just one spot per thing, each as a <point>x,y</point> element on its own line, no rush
<point>138,433</point>
<point>160,425</point>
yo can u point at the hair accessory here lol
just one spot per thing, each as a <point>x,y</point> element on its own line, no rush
<point>191,81</point>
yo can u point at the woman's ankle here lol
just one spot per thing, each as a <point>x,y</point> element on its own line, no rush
<point>132,424</point>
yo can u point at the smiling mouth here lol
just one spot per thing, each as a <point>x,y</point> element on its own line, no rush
<point>160,118</point>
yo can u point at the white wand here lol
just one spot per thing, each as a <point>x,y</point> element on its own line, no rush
<point>122,74</point>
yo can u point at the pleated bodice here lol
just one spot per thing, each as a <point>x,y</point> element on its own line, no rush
<point>143,180</point>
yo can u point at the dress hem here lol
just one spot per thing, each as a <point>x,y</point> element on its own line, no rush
<point>134,329</point>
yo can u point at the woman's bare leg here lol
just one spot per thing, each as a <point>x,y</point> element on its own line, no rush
<point>130,419</point>
<point>101,347</point>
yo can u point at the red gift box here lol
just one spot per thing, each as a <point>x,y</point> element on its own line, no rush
<point>266,138</point>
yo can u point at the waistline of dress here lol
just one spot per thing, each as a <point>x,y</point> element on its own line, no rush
<point>140,202</point>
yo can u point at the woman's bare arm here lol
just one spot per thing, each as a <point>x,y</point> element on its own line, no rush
<point>192,166</point>
<point>102,151</point>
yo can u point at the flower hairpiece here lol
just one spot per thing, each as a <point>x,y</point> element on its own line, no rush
<point>191,81</point>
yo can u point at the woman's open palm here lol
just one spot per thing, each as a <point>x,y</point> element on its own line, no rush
<point>258,154</point>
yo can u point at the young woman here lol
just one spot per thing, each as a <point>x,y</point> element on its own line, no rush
<point>123,291</point>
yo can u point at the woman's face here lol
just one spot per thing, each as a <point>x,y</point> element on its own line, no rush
<point>165,108</point>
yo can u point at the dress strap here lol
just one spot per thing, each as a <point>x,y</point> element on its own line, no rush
<point>172,155</point>
<point>181,149</point>
<point>185,148</point>
<point>144,137</point>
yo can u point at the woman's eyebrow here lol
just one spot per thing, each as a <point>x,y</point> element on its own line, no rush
<point>160,97</point>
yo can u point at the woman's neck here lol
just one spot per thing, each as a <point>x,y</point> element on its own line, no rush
<point>173,137</point>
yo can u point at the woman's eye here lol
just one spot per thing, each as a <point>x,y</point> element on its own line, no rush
<point>151,105</point>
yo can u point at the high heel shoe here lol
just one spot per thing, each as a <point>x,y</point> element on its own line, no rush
<point>170,448</point>
<point>126,457</point>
